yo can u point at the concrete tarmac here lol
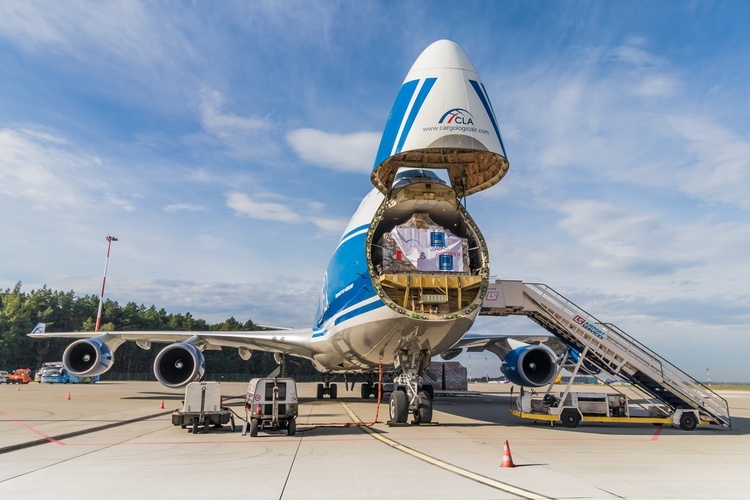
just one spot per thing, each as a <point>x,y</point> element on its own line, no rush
<point>113,440</point>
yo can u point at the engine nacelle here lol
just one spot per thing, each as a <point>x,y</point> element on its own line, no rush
<point>450,354</point>
<point>179,364</point>
<point>586,368</point>
<point>88,357</point>
<point>530,366</point>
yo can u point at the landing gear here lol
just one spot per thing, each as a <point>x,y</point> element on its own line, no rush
<point>366,389</point>
<point>416,397</point>
<point>328,388</point>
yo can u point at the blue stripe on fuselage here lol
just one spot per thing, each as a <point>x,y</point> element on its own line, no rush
<point>348,278</point>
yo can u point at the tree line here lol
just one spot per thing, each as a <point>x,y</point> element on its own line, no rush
<point>65,312</point>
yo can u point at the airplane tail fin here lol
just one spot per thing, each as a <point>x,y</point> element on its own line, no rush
<point>39,328</point>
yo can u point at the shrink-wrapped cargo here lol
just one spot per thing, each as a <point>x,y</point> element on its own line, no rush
<point>419,245</point>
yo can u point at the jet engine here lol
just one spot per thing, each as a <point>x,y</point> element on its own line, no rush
<point>450,354</point>
<point>88,357</point>
<point>586,368</point>
<point>179,364</point>
<point>530,366</point>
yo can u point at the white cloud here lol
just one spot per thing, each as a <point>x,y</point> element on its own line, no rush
<point>183,207</point>
<point>716,168</point>
<point>656,86</point>
<point>38,167</point>
<point>250,137</point>
<point>242,204</point>
<point>260,209</point>
<point>353,152</point>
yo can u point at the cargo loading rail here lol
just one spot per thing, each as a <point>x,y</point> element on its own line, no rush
<point>608,348</point>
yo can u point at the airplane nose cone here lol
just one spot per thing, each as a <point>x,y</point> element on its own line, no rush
<point>442,119</point>
<point>442,54</point>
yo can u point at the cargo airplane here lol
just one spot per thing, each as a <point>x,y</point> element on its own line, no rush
<point>410,272</point>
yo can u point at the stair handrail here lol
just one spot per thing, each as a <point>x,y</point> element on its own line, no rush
<point>567,305</point>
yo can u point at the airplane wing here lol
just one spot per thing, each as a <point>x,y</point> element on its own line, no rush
<point>533,364</point>
<point>477,342</point>
<point>295,341</point>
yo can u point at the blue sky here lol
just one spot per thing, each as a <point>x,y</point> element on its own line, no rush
<point>227,144</point>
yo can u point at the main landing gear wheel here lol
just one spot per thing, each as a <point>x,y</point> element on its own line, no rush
<point>423,414</point>
<point>319,394</point>
<point>366,390</point>
<point>333,391</point>
<point>398,407</point>
<point>688,422</point>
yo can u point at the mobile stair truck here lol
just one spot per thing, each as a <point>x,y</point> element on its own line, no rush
<point>673,396</point>
<point>202,407</point>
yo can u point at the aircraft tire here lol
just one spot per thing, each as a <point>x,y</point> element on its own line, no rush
<point>334,391</point>
<point>570,418</point>
<point>424,411</point>
<point>688,422</point>
<point>430,390</point>
<point>319,394</point>
<point>366,390</point>
<point>398,407</point>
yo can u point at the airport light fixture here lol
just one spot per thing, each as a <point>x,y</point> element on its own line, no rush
<point>110,239</point>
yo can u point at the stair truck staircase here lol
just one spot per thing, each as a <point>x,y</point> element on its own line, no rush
<point>607,347</point>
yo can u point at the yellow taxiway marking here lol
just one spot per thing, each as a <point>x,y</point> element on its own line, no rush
<point>445,465</point>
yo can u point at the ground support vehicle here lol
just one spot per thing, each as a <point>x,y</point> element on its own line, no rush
<point>3,377</point>
<point>572,408</point>
<point>19,376</point>
<point>271,405</point>
<point>202,408</point>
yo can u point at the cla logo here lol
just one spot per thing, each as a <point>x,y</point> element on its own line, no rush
<point>457,116</point>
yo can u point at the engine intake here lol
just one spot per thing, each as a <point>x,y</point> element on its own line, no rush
<point>530,366</point>
<point>179,364</point>
<point>88,357</point>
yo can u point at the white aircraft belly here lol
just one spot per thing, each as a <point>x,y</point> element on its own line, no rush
<point>360,343</point>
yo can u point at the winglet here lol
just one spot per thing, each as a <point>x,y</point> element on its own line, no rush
<point>39,328</point>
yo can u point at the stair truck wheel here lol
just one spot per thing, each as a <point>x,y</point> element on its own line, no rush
<point>291,427</point>
<point>570,418</point>
<point>688,422</point>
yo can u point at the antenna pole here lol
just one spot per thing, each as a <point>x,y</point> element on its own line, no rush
<point>110,239</point>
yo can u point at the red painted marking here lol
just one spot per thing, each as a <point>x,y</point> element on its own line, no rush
<point>657,434</point>
<point>45,436</point>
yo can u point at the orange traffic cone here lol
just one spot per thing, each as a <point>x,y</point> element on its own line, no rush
<point>162,405</point>
<point>507,459</point>
<point>67,398</point>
